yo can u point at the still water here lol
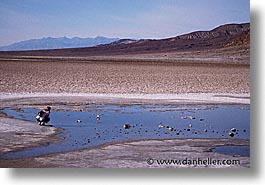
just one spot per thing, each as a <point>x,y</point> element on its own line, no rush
<point>146,122</point>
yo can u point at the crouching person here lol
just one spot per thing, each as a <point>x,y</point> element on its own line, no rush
<point>43,116</point>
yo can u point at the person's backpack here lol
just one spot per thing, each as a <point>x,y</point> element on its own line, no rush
<point>40,114</point>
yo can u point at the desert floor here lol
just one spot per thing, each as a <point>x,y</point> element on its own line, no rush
<point>52,76</point>
<point>24,82</point>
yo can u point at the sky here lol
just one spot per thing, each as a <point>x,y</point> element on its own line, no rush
<point>28,19</point>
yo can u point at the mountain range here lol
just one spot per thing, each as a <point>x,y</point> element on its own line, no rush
<point>57,43</point>
<point>224,36</point>
<point>219,37</point>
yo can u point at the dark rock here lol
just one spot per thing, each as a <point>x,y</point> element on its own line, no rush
<point>127,126</point>
<point>171,129</point>
<point>231,134</point>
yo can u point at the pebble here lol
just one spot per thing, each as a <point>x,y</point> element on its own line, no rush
<point>190,117</point>
<point>127,126</point>
<point>231,134</point>
<point>187,117</point>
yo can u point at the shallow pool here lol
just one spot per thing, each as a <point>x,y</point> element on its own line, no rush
<point>233,150</point>
<point>146,121</point>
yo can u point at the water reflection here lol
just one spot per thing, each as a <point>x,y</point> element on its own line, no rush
<point>99,124</point>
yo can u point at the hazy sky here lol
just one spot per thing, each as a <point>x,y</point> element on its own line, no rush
<point>27,19</point>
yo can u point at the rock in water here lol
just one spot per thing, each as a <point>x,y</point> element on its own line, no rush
<point>127,126</point>
<point>231,134</point>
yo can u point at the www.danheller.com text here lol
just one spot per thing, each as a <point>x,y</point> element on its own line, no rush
<point>191,162</point>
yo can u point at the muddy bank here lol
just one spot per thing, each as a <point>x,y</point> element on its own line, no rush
<point>143,154</point>
<point>18,134</point>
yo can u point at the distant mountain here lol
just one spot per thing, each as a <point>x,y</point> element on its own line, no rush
<point>57,43</point>
<point>123,41</point>
<point>219,37</point>
<point>226,30</point>
<point>224,36</point>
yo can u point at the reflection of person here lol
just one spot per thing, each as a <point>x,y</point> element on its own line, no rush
<point>44,116</point>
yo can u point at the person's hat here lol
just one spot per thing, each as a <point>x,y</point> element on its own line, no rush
<point>47,108</point>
